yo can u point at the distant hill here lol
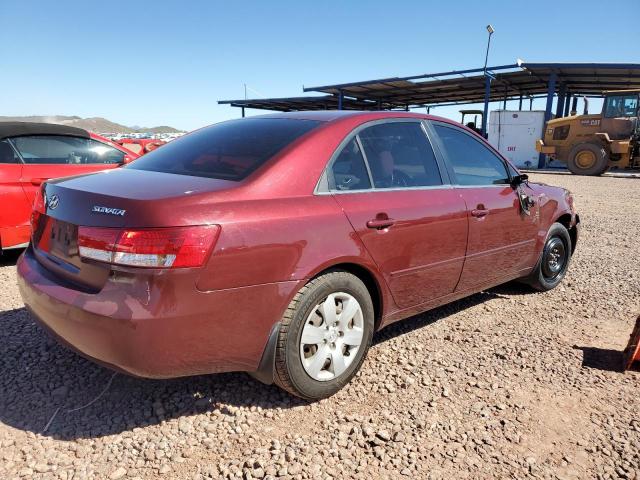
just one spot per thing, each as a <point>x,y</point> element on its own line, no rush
<point>95,124</point>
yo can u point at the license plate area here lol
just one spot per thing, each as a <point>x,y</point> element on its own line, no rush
<point>63,239</point>
<point>56,249</point>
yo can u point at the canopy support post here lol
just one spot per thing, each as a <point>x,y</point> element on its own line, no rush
<point>567,102</point>
<point>561,97</point>
<point>551,90</point>
<point>487,96</point>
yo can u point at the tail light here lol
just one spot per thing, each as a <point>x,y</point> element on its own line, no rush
<point>39,200</point>
<point>176,247</point>
<point>39,208</point>
<point>35,220</point>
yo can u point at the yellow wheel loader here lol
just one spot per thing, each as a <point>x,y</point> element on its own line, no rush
<point>591,144</point>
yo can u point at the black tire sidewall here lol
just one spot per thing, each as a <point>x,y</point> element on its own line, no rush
<point>541,282</point>
<point>602,159</point>
<point>338,282</point>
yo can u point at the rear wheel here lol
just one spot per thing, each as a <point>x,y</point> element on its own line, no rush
<point>554,261</point>
<point>588,159</point>
<point>324,336</point>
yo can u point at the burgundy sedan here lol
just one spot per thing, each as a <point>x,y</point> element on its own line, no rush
<point>279,244</point>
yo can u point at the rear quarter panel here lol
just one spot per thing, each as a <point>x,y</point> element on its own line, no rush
<point>281,240</point>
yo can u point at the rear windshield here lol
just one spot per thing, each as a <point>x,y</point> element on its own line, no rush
<point>228,151</point>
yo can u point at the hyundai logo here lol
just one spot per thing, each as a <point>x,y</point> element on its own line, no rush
<point>53,202</point>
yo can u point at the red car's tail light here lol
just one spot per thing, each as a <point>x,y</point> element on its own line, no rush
<point>176,247</point>
<point>38,209</point>
<point>35,220</point>
<point>39,200</point>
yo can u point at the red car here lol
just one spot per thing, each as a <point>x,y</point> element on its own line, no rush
<point>277,245</point>
<point>31,153</point>
<point>140,145</point>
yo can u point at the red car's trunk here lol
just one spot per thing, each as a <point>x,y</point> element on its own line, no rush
<point>119,199</point>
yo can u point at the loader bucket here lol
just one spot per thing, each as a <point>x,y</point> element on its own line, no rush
<point>632,352</point>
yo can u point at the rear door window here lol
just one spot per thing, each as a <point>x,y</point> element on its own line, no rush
<point>65,150</point>
<point>348,171</point>
<point>473,163</point>
<point>229,150</point>
<point>400,155</point>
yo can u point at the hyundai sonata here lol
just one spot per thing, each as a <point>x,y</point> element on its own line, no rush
<point>279,244</point>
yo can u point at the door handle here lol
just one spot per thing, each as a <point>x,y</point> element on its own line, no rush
<point>380,223</point>
<point>479,212</point>
<point>38,181</point>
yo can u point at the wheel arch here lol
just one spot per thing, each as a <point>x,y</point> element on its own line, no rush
<point>370,281</point>
<point>266,367</point>
<point>565,219</point>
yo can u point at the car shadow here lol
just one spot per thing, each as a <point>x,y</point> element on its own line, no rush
<point>427,318</point>
<point>10,257</point>
<point>41,382</point>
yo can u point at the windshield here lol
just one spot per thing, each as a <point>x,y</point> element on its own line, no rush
<point>228,150</point>
<point>621,106</point>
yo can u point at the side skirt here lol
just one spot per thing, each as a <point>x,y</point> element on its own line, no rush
<point>452,297</point>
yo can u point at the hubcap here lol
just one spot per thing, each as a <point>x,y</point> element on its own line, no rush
<point>555,258</point>
<point>585,159</point>
<point>331,336</point>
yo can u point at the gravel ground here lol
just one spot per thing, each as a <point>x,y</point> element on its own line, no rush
<point>506,383</point>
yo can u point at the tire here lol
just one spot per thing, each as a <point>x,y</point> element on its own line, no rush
<point>545,276</point>
<point>308,370</point>
<point>588,159</point>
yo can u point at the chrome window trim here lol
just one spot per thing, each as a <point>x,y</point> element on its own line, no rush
<point>501,185</point>
<point>322,186</point>
<point>394,189</point>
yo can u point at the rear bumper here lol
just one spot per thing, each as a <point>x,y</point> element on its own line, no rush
<point>157,326</point>
<point>14,237</point>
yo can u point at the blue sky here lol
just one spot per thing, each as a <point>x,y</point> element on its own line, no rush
<point>167,63</point>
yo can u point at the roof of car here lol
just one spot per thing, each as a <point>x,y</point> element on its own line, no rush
<point>331,115</point>
<point>17,129</point>
<point>320,115</point>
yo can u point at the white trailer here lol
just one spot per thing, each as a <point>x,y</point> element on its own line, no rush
<point>514,133</point>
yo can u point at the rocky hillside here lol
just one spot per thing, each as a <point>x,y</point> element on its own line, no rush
<point>95,124</point>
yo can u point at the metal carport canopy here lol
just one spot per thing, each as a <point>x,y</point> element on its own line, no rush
<point>521,80</point>
<point>292,104</point>
<point>525,80</point>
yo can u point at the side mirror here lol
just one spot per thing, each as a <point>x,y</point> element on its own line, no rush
<point>519,179</point>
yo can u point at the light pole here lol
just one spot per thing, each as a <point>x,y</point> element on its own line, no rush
<point>490,29</point>
<point>487,85</point>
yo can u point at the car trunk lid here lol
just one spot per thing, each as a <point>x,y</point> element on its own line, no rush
<point>118,199</point>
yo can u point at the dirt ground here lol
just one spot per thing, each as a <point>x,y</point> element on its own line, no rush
<point>504,384</point>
